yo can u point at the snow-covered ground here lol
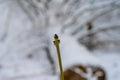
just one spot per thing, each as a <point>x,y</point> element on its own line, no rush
<point>111,62</point>
<point>17,67</point>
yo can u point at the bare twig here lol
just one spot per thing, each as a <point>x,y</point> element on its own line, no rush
<point>103,29</point>
<point>94,17</point>
<point>76,14</point>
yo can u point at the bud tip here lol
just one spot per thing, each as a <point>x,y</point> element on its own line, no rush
<point>56,36</point>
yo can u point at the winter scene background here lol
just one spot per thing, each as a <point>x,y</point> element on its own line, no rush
<point>89,33</point>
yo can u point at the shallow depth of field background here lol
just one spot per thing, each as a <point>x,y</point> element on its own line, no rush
<point>89,29</point>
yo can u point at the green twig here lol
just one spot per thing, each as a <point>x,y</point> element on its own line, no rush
<point>56,43</point>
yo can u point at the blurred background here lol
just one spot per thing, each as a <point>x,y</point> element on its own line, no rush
<point>89,31</point>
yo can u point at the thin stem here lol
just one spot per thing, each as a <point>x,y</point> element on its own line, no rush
<point>56,43</point>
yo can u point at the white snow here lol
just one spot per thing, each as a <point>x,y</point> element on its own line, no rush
<point>74,53</point>
<point>111,63</point>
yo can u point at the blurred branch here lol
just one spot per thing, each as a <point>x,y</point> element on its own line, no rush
<point>104,28</point>
<point>21,4</point>
<point>95,16</point>
<point>7,22</point>
<point>85,8</point>
<point>94,6</point>
<point>33,6</point>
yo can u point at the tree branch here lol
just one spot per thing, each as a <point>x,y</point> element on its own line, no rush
<point>104,28</point>
<point>94,17</point>
<point>85,8</point>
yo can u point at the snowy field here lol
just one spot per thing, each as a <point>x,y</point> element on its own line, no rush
<point>111,62</point>
<point>16,67</point>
